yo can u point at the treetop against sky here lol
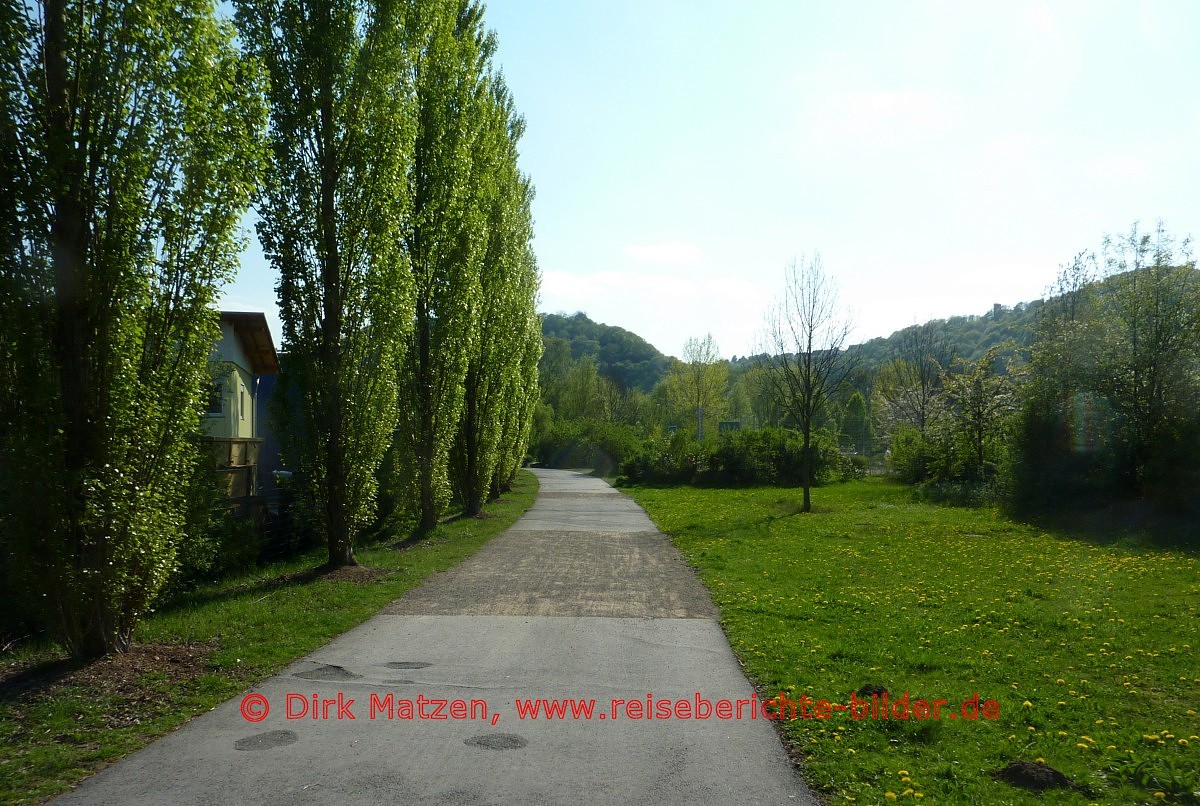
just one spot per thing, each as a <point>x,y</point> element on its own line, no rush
<point>940,156</point>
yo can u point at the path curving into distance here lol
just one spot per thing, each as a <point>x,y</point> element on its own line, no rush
<point>582,599</point>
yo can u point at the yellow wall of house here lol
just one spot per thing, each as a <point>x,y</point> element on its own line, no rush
<point>237,390</point>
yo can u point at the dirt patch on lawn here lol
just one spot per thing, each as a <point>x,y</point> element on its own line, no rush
<point>123,675</point>
<point>360,574</point>
<point>1035,776</point>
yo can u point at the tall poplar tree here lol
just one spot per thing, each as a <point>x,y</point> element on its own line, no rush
<point>330,218</point>
<point>494,383</point>
<point>129,149</point>
<point>442,239</point>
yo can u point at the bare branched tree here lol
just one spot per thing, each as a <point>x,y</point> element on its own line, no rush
<point>909,385</point>
<point>805,341</point>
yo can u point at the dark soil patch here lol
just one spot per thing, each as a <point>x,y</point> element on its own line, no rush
<point>360,574</point>
<point>119,674</point>
<point>357,573</point>
<point>1034,776</point>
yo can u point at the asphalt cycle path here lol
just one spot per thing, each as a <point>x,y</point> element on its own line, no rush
<point>474,688</point>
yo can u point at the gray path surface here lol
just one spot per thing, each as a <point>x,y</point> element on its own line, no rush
<point>582,598</point>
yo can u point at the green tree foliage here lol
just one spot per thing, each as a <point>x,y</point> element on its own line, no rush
<point>696,386</point>
<point>130,147</point>
<point>623,357</point>
<point>500,381</point>
<point>444,240</point>
<point>856,425</point>
<point>330,217</point>
<point>1115,387</point>
<point>980,401</point>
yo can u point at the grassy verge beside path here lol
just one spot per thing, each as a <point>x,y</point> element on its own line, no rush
<point>59,723</point>
<point>1090,649</point>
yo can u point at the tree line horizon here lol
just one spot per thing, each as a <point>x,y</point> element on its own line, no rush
<point>1092,393</point>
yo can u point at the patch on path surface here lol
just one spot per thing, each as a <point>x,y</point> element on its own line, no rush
<point>265,741</point>
<point>544,573</point>
<point>328,672</point>
<point>497,741</point>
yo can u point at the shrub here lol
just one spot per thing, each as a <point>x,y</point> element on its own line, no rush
<point>768,456</point>
<point>910,455</point>
<point>596,444</point>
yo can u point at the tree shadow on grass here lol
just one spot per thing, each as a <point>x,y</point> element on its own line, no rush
<point>203,596</point>
<point>1126,524</point>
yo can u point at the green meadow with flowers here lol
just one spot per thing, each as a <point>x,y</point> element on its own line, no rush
<point>1090,647</point>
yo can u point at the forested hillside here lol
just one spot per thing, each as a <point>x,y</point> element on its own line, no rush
<point>969,337</point>
<point>625,358</point>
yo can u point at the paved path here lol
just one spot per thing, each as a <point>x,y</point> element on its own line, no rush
<point>581,598</point>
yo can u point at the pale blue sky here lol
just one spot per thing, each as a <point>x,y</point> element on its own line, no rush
<point>941,156</point>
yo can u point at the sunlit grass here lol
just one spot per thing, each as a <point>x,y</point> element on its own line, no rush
<point>258,626</point>
<point>1090,650</point>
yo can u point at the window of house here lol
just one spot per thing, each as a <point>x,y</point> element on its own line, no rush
<point>214,399</point>
<point>242,402</point>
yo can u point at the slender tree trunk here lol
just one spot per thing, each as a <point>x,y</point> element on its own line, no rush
<point>806,471</point>
<point>339,535</point>
<point>427,506</point>
<point>473,490</point>
<point>89,636</point>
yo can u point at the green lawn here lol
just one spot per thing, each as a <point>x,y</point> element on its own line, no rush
<point>1089,648</point>
<point>254,624</point>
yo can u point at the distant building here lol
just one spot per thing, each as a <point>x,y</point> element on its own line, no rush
<point>234,428</point>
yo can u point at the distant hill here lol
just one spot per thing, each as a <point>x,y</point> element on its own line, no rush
<point>969,336</point>
<point>623,357</point>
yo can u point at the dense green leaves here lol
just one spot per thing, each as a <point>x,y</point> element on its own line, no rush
<point>401,227</point>
<point>131,143</point>
<point>466,384</point>
<point>330,216</point>
<point>622,357</point>
<point>131,147</point>
<point>1114,389</point>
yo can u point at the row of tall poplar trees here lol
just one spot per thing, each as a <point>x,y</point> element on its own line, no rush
<point>379,146</point>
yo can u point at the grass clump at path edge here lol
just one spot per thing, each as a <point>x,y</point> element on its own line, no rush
<point>60,722</point>
<point>1089,649</point>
